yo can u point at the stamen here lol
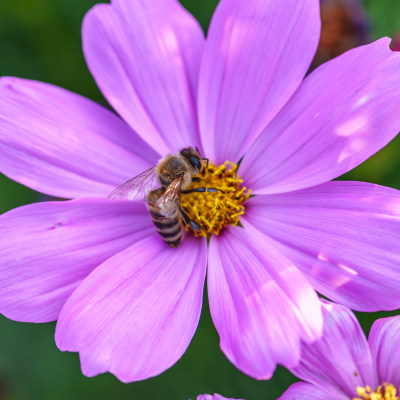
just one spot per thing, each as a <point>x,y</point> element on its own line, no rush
<point>215,210</point>
<point>384,392</point>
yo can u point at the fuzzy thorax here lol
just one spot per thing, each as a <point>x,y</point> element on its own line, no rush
<point>216,210</point>
<point>384,392</point>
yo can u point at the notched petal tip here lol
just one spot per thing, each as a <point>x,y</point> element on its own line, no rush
<point>47,248</point>
<point>261,305</point>
<point>62,144</point>
<point>7,82</point>
<point>350,248</point>
<point>145,56</point>
<point>256,55</point>
<point>342,113</point>
<point>135,315</point>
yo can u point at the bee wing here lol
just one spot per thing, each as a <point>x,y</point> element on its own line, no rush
<point>136,187</point>
<point>170,200</point>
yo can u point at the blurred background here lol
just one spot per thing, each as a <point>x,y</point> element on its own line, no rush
<point>41,40</point>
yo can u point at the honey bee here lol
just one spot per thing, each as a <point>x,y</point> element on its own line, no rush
<point>174,173</point>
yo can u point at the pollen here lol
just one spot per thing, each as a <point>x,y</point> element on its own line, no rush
<point>384,392</point>
<point>222,202</point>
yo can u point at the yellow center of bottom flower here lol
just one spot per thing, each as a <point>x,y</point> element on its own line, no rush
<point>214,210</point>
<point>384,392</point>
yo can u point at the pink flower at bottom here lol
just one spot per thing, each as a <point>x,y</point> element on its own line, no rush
<point>344,365</point>
<point>214,397</point>
<point>124,300</point>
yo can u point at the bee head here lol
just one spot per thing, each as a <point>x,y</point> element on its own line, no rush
<point>192,155</point>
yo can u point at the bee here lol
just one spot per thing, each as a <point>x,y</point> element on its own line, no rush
<point>174,173</point>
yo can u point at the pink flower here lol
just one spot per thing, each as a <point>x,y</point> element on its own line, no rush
<point>215,397</point>
<point>343,365</point>
<point>127,302</point>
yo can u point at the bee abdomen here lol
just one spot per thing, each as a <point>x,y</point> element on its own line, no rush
<point>169,228</point>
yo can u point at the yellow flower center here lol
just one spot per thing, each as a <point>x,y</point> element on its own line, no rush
<point>384,392</point>
<point>212,211</point>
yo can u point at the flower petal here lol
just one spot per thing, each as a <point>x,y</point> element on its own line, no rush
<point>64,145</point>
<point>145,57</point>
<point>46,249</point>
<point>307,391</point>
<point>135,315</point>
<point>345,237</point>
<point>343,113</point>
<point>261,305</point>
<point>256,54</point>
<point>215,397</point>
<point>341,359</point>
<point>384,341</point>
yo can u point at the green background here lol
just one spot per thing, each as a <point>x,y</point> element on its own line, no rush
<point>41,40</point>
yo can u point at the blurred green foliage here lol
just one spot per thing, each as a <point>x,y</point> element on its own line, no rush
<point>41,40</point>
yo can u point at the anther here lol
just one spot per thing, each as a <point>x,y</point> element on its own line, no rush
<point>215,199</point>
<point>384,392</point>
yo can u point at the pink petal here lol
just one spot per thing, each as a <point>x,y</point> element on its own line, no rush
<point>46,249</point>
<point>306,391</point>
<point>215,397</point>
<point>135,315</point>
<point>342,114</point>
<point>345,236</point>
<point>341,359</point>
<point>256,54</point>
<point>384,341</point>
<point>261,305</point>
<point>145,57</point>
<point>64,145</point>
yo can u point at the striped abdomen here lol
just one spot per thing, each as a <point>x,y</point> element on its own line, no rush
<point>169,228</point>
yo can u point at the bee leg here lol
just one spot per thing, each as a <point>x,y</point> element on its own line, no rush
<point>202,190</point>
<point>189,222</point>
<point>196,179</point>
<point>206,159</point>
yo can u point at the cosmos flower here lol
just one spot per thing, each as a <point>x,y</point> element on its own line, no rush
<point>344,365</point>
<point>127,302</point>
<point>214,397</point>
